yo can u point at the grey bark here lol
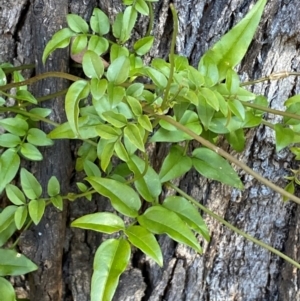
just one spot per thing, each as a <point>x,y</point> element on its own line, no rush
<point>231,268</point>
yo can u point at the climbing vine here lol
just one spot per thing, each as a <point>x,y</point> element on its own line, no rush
<point>118,108</point>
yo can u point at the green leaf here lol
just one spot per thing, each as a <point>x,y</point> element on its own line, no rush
<point>30,152</point>
<point>40,112</point>
<point>53,187</point>
<point>77,91</point>
<point>117,26</point>
<point>9,166</point>
<point>38,137</point>
<point>195,77</point>
<point>135,90</point>
<point>175,164</point>
<point>115,97</point>
<point>232,81</point>
<point>115,119</point>
<point>2,101</point>
<point>147,182</point>
<point>159,220</point>
<point>162,66</point>
<point>18,77</point>
<point>189,119</point>
<point>292,100</point>
<point>79,44</point>
<point>157,77</point>
<point>36,210</point>
<point>98,44</point>
<point>128,21</point>
<point>133,133</point>
<point>30,185</point>
<point>118,70</point>
<point>205,111</point>
<point>284,136</point>
<point>16,125</point>
<point>98,88</point>
<point>15,195</point>
<point>262,101</point>
<point>213,166</point>
<point>110,261</point>
<point>209,70</point>
<point>210,98</point>
<point>7,216</point>
<point>118,51</point>
<point>146,242</point>
<point>121,151</point>
<point>91,169</point>
<point>231,48</point>
<point>9,140</point>
<point>142,46</point>
<point>290,187</point>
<point>108,132</point>
<point>57,202</point>
<point>104,222</point>
<point>123,198</point>
<point>99,22</point>
<point>188,213</point>
<point>3,80</point>
<point>145,122</point>
<point>237,108</point>
<point>135,105</point>
<point>92,65</point>
<point>236,139</point>
<point>21,216</point>
<point>294,109</point>
<point>105,151</point>
<point>142,7</point>
<point>7,290</point>
<point>86,129</point>
<point>6,234</point>
<point>60,39</point>
<point>26,96</point>
<point>15,264</point>
<point>77,24</point>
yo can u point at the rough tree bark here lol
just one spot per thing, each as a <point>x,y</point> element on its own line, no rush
<point>231,268</point>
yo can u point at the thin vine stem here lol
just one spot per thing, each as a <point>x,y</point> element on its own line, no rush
<point>18,68</point>
<point>171,55</point>
<point>40,77</point>
<point>230,226</point>
<point>230,158</point>
<point>151,19</point>
<point>273,76</point>
<point>269,110</point>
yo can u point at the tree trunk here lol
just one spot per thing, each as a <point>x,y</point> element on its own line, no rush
<point>231,268</point>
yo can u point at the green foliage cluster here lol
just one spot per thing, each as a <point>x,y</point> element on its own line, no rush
<point>116,116</point>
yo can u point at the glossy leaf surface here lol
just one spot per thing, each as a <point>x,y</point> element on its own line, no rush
<point>110,261</point>
<point>123,198</point>
<point>159,220</point>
